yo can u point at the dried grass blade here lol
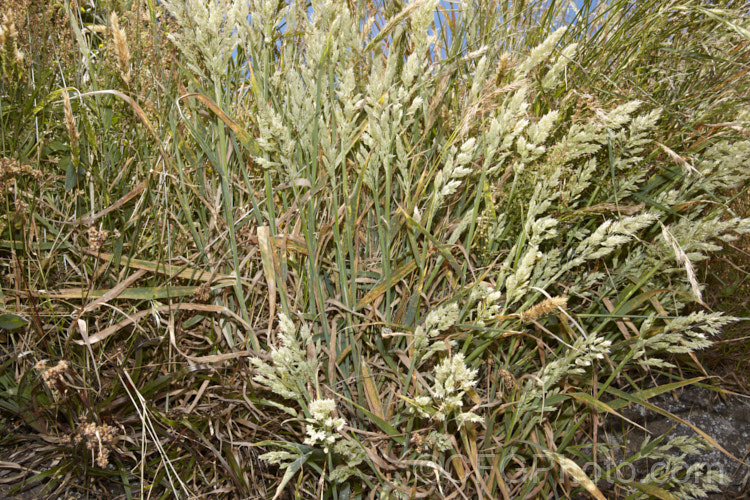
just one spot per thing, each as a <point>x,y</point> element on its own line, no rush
<point>266,255</point>
<point>242,134</point>
<point>119,203</point>
<point>137,293</point>
<point>574,470</point>
<point>139,113</point>
<point>108,332</point>
<point>379,289</point>
<point>371,392</point>
<point>114,292</point>
<point>167,269</point>
<point>601,405</point>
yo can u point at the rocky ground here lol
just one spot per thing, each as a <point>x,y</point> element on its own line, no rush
<point>724,417</point>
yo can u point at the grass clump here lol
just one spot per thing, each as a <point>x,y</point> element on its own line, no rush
<point>347,249</point>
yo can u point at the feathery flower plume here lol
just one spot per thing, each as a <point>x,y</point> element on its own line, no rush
<point>71,125</point>
<point>11,58</point>
<point>121,47</point>
<point>543,308</point>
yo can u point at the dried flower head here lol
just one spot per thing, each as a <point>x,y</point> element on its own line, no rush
<point>70,124</point>
<point>202,293</point>
<point>7,30</point>
<point>543,308</point>
<point>11,56</point>
<point>21,206</point>
<point>503,64</point>
<point>507,378</point>
<point>97,238</point>
<point>97,437</point>
<point>121,47</point>
<point>52,375</point>
<point>11,169</point>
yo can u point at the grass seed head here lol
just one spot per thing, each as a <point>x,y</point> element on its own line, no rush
<point>70,124</point>
<point>52,374</point>
<point>121,47</point>
<point>543,308</point>
<point>97,238</point>
<point>97,437</point>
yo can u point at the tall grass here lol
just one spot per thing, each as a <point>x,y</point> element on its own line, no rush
<point>349,249</point>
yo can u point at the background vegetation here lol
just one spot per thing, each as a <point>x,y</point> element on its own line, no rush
<point>350,249</point>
